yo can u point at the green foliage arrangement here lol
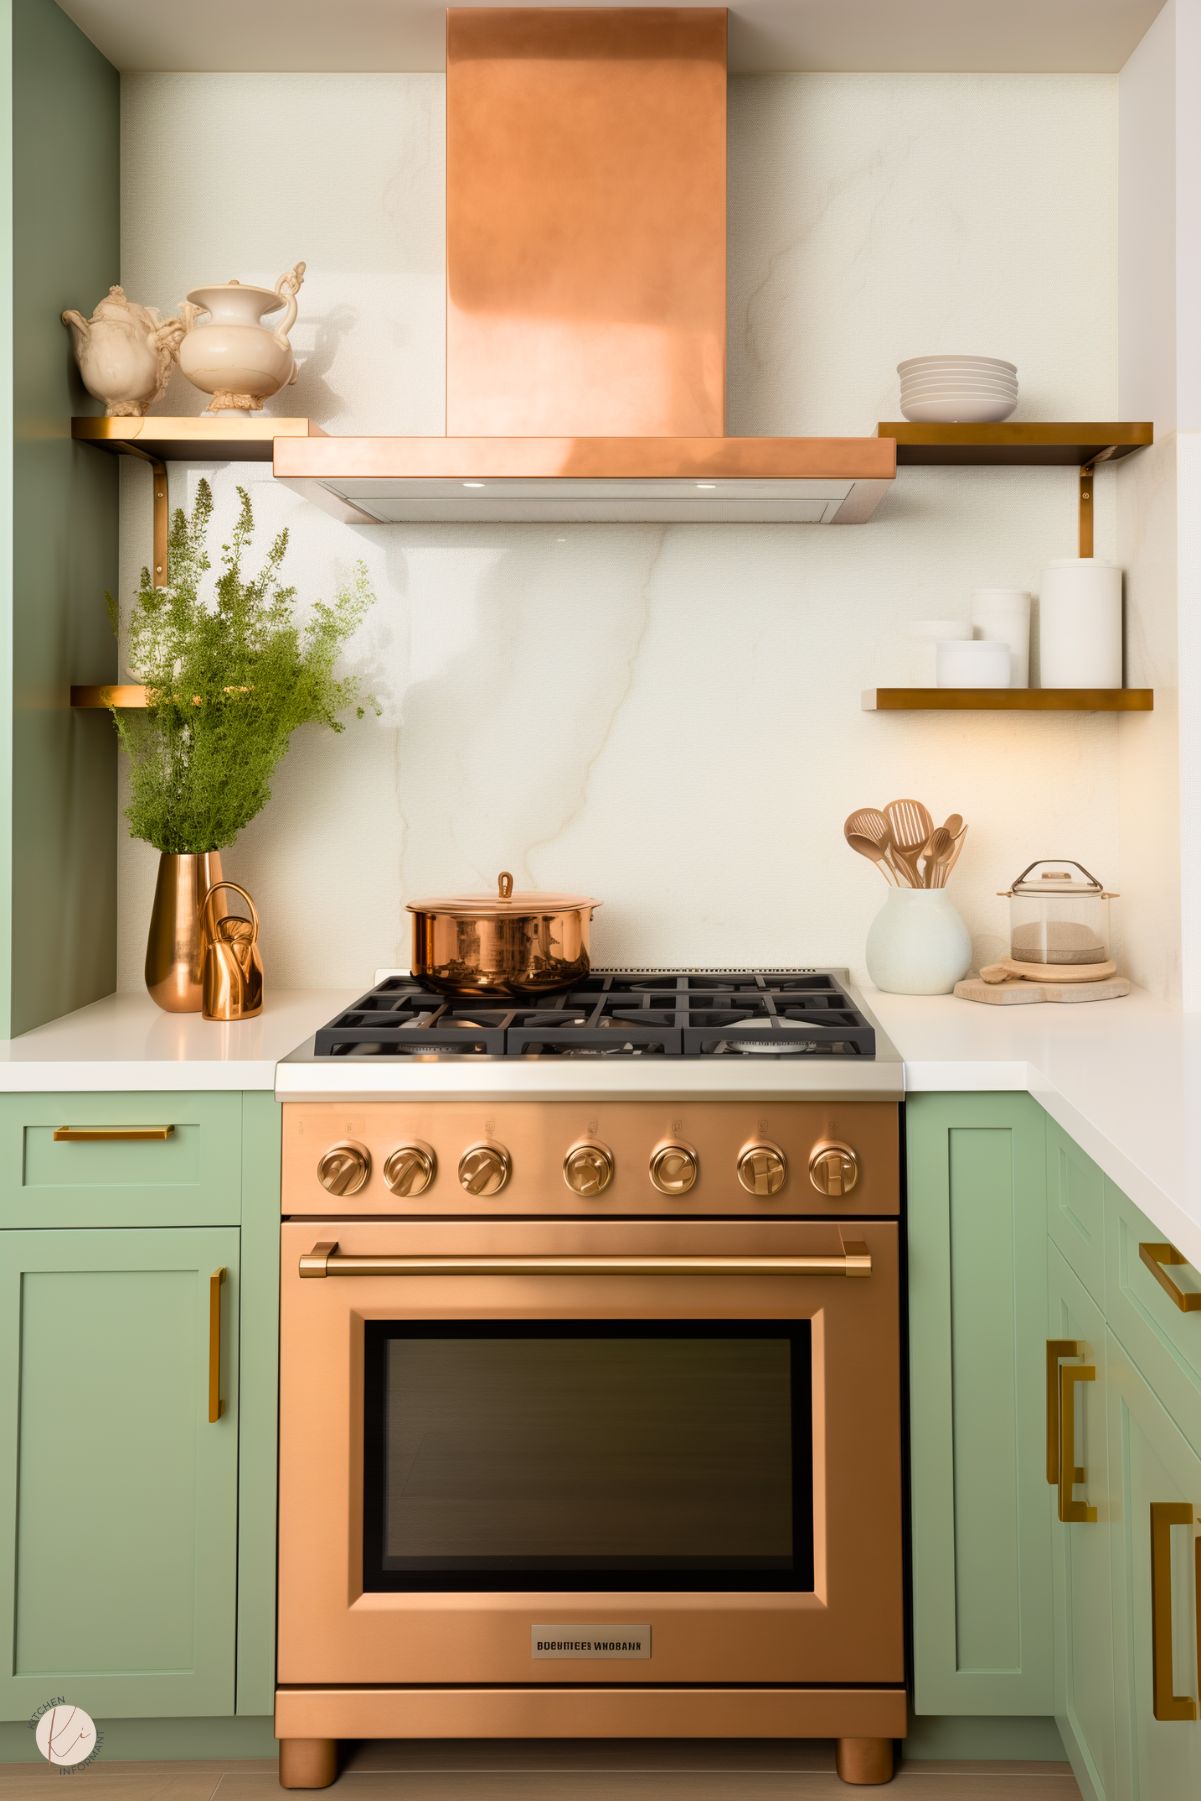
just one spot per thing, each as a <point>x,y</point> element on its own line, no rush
<point>228,680</point>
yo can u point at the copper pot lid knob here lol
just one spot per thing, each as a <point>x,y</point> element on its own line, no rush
<point>504,885</point>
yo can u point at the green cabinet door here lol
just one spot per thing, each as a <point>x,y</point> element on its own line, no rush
<point>1158,1759</point>
<point>1081,1547</point>
<point>118,1504</point>
<point>977,1232</point>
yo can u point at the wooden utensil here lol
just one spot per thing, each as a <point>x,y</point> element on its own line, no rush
<point>953,823</point>
<point>911,826</point>
<point>935,856</point>
<point>869,824</point>
<point>956,847</point>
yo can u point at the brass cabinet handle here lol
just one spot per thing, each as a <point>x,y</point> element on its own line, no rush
<point>110,1134</point>
<point>1158,1258</point>
<point>1063,1472</point>
<point>216,1405</point>
<point>1164,1515</point>
<point>325,1260</point>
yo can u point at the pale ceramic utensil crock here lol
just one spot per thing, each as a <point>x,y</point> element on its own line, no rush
<point>232,354</point>
<point>917,943</point>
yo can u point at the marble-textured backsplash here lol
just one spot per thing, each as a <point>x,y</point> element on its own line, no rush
<point>667,718</point>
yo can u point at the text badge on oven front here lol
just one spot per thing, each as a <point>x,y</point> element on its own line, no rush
<point>590,1641</point>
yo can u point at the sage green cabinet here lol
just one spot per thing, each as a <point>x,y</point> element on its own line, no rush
<point>1158,1759</point>
<point>119,1506</point>
<point>977,1224</point>
<point>1082,1547</point>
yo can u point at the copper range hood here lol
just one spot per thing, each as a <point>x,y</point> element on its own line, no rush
<point>586,297</point>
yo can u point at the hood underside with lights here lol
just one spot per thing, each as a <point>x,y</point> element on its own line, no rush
<point>586,297</point>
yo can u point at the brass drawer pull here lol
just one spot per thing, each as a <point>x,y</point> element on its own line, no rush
<point>1167,1705</point>
<point>325,1260</point>
<point>216,1405</point>
<point>1158,1258</point>
<point>1063,1472</point>
<point>111,1134</point>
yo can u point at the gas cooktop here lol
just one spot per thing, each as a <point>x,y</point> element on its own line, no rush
<point>620,1013</point>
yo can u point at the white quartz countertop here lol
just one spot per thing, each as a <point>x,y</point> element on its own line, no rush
<point>1122,1077</point>
<point>126,1042</point>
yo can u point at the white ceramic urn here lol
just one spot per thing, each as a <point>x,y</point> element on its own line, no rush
<point>229,352</point>
<point>125,352</point>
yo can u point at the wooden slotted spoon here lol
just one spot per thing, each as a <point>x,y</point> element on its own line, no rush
<point>867,831</point>
<point>911,825</point>
<point>935,857</point>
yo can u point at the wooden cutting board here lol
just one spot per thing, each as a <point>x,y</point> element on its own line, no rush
<point>1019,993</point>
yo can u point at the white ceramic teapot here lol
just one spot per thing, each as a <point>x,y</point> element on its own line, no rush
<point>125,352</point>
<point>231,354</point>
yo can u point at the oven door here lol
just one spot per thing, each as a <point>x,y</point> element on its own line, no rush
<point>548,1452</point>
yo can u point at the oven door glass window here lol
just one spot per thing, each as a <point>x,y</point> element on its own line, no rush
<point>600,1455</point>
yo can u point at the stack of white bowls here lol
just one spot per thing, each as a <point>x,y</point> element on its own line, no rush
<point>957,390</point>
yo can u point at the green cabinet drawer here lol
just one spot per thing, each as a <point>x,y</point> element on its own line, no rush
<point>1158,1640</point>
<point>1081,1547</point>
<point>155,1159</point>
<point>1076,1209</point>
<point>118,1491</point>
<point>1163,1339</point>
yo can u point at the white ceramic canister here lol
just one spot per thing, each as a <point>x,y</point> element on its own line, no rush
<point>975,664</point>
<point>917,943</point>
<point>1002,616</point>
<point>1080,624</point>
<point>926,635</point>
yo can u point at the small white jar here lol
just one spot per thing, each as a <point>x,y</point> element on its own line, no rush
<point>1080,624</point>
<point>926,635</point>
<point>1002,616</point>
<point>974,664</point>
<point>917,943</point>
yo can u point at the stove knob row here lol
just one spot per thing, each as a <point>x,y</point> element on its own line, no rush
<point>485,1168</point>
<point>410,1168</point>
<point>588,1169</point>
<point>344,1168</point>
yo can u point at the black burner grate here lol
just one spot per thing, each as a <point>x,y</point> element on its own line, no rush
<point>622,1013</point>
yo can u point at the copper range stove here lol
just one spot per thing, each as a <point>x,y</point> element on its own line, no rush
<point>590,1369</point>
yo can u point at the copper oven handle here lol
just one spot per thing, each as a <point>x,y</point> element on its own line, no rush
<point>1157,1258</point>
<point>325,1260</point>
<point>216,1406</point>
<point>110,1134</point>
<point>1165,1703</point>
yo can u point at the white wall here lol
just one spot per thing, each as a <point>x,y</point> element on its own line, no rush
<point>668,719</point>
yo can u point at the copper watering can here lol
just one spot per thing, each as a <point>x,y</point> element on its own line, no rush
<point>232,983</point>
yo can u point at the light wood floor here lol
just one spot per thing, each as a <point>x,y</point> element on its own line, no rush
<point>385,1771</point>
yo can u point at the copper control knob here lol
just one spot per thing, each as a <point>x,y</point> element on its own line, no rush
<point>674,1168</point>
<point>762,1169</point>
<point>344,1168</point>
<point>833,1169</point>
<point>588,1169</point>
<point>410,1169</point>
<point>484,1169</point>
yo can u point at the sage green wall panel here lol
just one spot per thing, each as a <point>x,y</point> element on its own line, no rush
<point>1076,1209</point>
<point>60,928</point>
<point>259,1403</point>
<point>1157,1760</point>
<point>1082,1552</point>
<point>192,1178</point>
<point>6,497</point>
<point>977,1310</point>
<point>118,1517</point>
<point>1165,1342</point>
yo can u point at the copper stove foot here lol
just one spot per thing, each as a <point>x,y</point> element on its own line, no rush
<point>307,1762</point>
<point>865,1760</point>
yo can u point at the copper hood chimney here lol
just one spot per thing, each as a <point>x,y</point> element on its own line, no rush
<point>586,296</point>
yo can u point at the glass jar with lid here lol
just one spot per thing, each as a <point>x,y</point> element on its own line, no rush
<point>1058,913</point>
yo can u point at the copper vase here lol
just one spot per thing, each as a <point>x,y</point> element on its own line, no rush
<point>175,943</point>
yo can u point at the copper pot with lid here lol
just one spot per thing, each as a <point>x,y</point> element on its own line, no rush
<point>505,943</point>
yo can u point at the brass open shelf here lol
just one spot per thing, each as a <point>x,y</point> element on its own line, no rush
<point>203,439</point>
<point>1034,443</point>
<point>109,694</point>
<point>1008,700</point>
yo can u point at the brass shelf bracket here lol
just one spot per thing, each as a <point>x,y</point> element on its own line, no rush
<point>1086,509</point>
